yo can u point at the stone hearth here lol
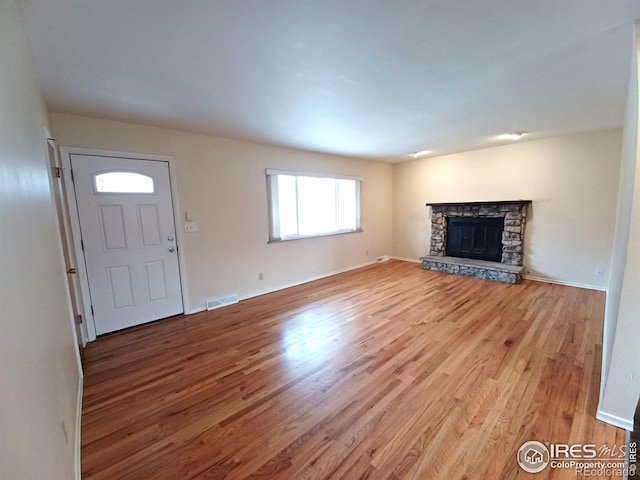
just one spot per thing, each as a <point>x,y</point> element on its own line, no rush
<point>509,269</point>
<point>468,267</point>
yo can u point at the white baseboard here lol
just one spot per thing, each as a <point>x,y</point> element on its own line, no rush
<point>294,284</point>
<point>528,277</point>
<point>404,259</point>
<point>614,420</point>
<point>568,284</point>
<point>78,442</point>
<point>307,280</point>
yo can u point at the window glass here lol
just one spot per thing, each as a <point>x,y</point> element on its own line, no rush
<point>123,182</point>
<point>305,205</point>
<point>347,204</point>
<point>316,205</point>
<point>288,211</point>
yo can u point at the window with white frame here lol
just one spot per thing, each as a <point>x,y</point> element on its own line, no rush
<point>309,205</point>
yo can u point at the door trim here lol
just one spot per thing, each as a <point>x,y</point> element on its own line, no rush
<point>69,252</point>
<point>65,153</point>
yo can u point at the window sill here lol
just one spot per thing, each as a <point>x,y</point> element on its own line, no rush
<point>301,237</point>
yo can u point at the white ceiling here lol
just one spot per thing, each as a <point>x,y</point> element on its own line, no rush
<point>368,78</point>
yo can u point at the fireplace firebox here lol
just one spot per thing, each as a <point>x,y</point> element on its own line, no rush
<point>475,237</point>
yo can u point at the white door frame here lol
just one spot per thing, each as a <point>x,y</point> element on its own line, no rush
<point>66,153</point>
<point>69,253</point>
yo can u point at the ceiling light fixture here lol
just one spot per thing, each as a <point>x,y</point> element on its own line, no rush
<point>421,153</point>
<point>512,136</point>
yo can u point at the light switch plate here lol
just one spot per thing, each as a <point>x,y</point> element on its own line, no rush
<point>190,227</point>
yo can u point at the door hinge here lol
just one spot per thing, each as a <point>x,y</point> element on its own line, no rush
<point>78,319</point>
<point>57,171</point>
<point>92,311</point>
<point>82,245</point>
<point>72,179</point>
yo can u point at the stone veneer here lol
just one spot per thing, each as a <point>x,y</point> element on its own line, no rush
<point>515,216</point>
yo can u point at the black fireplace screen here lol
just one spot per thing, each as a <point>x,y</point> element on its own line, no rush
<point>475,237</point>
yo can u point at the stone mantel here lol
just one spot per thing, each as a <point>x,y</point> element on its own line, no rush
<point>470,204</point>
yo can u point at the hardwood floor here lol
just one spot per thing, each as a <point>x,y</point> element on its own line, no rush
<point>389,371</point>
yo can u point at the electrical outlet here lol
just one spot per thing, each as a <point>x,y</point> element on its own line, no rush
<point>261,276</point>
<point>599,272</point>
<point>366,253</point>
<point>190,227</point>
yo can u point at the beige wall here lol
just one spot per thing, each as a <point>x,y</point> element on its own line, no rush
<point>621,357</point>
<point>39,369</point>
<point>572,180</point>
<point>222,183</point>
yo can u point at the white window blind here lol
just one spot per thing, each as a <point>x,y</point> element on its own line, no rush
<point>303,204</point>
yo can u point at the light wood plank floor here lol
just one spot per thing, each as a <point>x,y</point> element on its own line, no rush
<point>389,371</point>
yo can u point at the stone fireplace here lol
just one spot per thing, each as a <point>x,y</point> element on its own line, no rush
<point>478,239</point>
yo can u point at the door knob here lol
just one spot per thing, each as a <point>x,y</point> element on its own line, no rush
<point>172,249</point>
<point>170,238</point>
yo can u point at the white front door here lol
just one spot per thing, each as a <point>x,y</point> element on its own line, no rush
<point>128,235</point>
